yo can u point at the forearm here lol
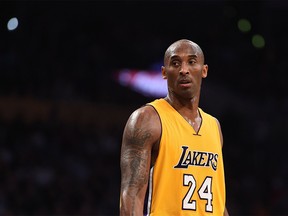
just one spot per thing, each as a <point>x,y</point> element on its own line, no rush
<point>130,206</point>
<point>133,190</point>
<point>134,182</point>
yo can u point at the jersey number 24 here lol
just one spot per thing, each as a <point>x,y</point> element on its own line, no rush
<point>204,193</point>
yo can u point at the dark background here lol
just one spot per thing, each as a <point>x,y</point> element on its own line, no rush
<point>62,114</point>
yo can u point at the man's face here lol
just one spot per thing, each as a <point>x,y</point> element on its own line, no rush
<point>184,69</point>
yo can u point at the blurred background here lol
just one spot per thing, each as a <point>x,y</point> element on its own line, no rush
<point>64,102</point>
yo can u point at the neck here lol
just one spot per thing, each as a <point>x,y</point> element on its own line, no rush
<point>189,104</point>
<point>188,109</point>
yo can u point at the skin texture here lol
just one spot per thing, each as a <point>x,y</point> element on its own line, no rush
<point>184,70</point>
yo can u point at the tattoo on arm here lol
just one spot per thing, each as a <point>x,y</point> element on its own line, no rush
<point>135,159</point>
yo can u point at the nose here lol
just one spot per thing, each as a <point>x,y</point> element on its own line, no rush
<point>184,68</point>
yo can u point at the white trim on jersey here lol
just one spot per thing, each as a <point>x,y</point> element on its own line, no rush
<point>150,191</point>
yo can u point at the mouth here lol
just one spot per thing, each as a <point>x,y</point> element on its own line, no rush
<point>185,83</point>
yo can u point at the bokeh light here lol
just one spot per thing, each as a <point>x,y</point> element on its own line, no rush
<point>258,41</point>
<point>244,25</point>
<point>12,24</point>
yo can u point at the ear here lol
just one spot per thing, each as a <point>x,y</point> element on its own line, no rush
<point>163,72</point>
<point>205,71</point>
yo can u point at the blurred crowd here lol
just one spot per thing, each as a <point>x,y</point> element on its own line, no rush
<point>52,168</point>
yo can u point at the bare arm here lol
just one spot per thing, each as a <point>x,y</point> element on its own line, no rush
<point>220,131</point>
<point>141,132</point>
<point>226,212</point>
<point>221,137</point>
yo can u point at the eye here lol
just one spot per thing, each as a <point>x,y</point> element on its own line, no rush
<point>192,61</point>
<point>175,63</point>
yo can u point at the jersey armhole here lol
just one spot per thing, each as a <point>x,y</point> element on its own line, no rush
<point>161,131</point>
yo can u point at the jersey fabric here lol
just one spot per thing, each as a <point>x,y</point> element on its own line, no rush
<point>188,175</point>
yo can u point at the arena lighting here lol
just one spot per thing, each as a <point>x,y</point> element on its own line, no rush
<point>244,25</point>
<point>258,41</point>
<point>145,82</point>
<point>12,24</point>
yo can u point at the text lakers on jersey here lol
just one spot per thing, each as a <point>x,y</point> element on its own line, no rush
<point>197,158</point>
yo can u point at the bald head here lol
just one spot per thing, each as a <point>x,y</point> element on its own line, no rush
<point>182,45</point>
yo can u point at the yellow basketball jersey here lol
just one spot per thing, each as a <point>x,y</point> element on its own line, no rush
<point>188,175</point>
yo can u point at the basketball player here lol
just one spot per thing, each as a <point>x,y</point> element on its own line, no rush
<point>171,155</point>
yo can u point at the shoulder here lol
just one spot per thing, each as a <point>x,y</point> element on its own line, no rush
<point>144,114</point>
<point>144,120</point>
<point>209,116</point>
<point>214,119</point>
